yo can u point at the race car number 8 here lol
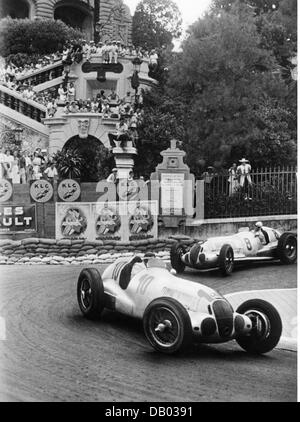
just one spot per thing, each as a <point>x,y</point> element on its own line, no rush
<point>248,244</point>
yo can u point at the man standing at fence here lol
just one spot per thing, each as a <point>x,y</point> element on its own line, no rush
<point>243,171</point>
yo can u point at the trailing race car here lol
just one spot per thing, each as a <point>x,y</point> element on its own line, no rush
<point>176,312</point>
<point>260,244</point>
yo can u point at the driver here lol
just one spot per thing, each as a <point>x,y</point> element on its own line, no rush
<point>261,233</point>
<point>136,265</point>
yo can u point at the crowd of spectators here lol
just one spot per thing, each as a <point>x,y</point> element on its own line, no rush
<point>24,166</point>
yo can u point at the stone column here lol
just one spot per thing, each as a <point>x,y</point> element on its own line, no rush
<point>124,158</point>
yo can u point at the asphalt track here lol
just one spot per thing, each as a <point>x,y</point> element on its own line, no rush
<point>51,353</point>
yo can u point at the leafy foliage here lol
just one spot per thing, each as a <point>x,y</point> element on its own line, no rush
<point>224,97</point>
<point>20,36</point>
<point>156,23</point>
<point>96,160</point>
<point>68,163</point>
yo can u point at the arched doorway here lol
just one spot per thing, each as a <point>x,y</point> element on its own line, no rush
<point>16,9</point>
<point>75,15</point>
<point>97,161</point>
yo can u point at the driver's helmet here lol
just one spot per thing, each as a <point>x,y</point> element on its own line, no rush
<point>147,256</point>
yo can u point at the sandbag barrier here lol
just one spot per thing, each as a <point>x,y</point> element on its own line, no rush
<point>34,251</point>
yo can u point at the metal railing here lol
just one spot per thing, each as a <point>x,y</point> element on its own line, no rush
<point>268,191</point>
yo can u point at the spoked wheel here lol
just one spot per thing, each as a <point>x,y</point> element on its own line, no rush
<point>90,293</point>
<point>266,326</point>
<point>177,251</point>
<point>85,294</point>
<point>167,325</point>
<point>287,248</point>
<point>226,260</point>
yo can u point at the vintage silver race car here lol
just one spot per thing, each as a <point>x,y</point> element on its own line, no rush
<point>260,244</point>
<point>176,312</point>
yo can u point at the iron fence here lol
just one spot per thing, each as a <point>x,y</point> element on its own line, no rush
<point>268,191</point>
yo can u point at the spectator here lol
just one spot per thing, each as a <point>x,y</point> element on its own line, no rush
<point>119,138</point>
<point>3,164</point>
<point>71,92</point>
<point>73,108</point>
<point>208,175</point>
<point>99,51</point>
<point>36,163</point>
<point>153,61</point>
<point>112,178</point>
<point>8,159</point>
<point>23,173</point>
<point>51,171</point>
<point>62,94</point>
<point>15,169</point>
<point>243,172</point>
<point>113,53</point>
<point>113,96</point>
<point>106,50</point>
<point>233,179</point>
<point>130,176</point>
<point>51,108</point>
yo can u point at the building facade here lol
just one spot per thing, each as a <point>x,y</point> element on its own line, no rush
<point>96,18</point>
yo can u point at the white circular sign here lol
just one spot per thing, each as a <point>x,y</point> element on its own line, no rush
<point>6,190</point>
<point>69,190</point>
<point>41,190</point>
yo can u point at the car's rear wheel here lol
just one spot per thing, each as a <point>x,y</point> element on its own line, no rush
<point>177,251</point>
<point>226,260</point>
<point>287,248</point>
<point>167,325</point>
<point>90,293</point>
<point>266,326</point>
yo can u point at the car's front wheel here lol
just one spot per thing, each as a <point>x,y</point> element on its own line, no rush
<point>266,326</point>
<point>287,248</point>
<point>226,260</point>
<point>90,293</point>
<point>177,250</point>
<point>167,325</point>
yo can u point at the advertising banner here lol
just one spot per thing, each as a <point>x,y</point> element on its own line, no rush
<point>107,220</point>
<point>142,220</point>
<point>6,190</point>
<point>41,191</point>
<point>69,190</point>
<point>17,219</point>
<point>73,221</point>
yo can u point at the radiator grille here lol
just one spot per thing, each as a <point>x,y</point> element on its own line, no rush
<point>224,317</point>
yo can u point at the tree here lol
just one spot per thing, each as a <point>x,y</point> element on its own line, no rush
<point>224,97</point>
<point>258,6</point>
<point>20,36</point>
<point>156,23</point>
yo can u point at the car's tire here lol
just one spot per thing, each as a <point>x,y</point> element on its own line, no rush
<point>90,293</point>
<point>226,260</point>
<point>267,326</point>
<point>287,248</point>
<point>177,332</point>
<point>177,250</point>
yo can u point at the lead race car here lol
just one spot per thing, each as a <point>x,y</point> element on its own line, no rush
<point>260,244</point>
<point>176,312</point>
